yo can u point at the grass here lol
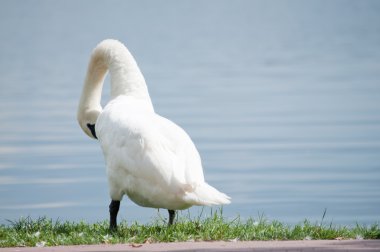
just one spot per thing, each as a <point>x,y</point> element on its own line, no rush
<point>47,232</point>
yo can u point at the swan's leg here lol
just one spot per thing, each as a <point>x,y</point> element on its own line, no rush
<point>114,209</point>
<point>171,217</point>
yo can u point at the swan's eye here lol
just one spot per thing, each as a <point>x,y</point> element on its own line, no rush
<point>92,129</point>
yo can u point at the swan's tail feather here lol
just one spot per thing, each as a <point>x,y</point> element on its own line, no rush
<point>205,195</point>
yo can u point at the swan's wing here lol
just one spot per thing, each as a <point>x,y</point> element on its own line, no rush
<point>187,168</point>
<point>151,147</point>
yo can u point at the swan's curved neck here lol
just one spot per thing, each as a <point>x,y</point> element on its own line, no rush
<point>126,79</point>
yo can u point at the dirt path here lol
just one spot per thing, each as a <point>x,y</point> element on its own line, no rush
<point>263,246</point>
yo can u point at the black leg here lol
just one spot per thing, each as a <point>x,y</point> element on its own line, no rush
<point>114,209</point>
<point>171,217</point>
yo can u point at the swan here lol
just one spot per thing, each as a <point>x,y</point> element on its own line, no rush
<point>148,157</point>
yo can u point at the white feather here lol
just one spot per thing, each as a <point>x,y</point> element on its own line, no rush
<point>148,157</point>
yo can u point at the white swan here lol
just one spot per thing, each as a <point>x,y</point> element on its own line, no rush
<point>148,157</point>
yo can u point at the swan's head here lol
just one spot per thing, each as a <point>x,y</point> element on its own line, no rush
<point>87,120</point>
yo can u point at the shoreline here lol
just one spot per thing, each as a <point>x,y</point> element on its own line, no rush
<point>44,232</point>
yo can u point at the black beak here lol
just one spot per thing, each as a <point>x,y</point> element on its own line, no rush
<point>92,129</point>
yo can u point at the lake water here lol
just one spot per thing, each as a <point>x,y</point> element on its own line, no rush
<point>282,99</point>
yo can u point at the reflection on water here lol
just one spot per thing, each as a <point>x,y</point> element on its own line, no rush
<point>282,101</point>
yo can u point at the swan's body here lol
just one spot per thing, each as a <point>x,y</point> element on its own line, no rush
<point>148,157</point>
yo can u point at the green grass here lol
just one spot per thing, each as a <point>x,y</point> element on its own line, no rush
<point>47,232</point>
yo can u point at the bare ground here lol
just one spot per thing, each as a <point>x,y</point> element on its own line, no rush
<point>263,246</point>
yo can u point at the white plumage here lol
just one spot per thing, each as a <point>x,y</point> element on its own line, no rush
<point>148,157</point>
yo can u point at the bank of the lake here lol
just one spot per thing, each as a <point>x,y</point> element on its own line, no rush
<point>47,232</point>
